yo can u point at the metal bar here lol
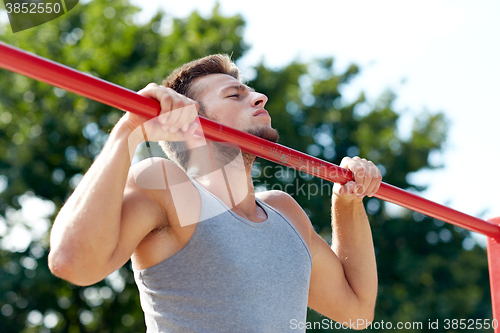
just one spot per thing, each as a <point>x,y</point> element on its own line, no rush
<point>493,248</point>
<point>41,69</point>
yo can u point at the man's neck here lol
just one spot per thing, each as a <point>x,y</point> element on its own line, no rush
<point>225,171</point>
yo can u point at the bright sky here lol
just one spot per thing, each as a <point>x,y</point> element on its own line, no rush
<point>446,52</point>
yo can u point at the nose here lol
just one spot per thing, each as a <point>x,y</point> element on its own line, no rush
<point>258,99</point>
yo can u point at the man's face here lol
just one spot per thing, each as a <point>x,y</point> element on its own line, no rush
<point>231,103</point>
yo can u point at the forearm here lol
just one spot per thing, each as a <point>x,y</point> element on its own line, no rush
<point>352,242</point>
<point>86,230</point>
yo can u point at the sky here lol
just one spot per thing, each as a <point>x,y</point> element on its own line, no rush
<point>435,55</point>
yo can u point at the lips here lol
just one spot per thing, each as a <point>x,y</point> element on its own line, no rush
<point>261,112</point>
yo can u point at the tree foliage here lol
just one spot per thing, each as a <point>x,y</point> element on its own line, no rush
<point>49,138</point>
<point>421,261</point>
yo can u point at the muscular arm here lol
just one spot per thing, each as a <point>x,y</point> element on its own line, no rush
<point>344,276</point>
<point>87,230</point>
<point>104,220</point>
<point>341,289</point>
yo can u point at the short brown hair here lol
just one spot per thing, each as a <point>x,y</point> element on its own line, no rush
<point>181,81</point>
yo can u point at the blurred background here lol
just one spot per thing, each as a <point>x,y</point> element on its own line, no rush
<point>411,86</point>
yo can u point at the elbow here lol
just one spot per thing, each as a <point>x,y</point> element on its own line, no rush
<point>358,322</point>
<point>364,323</point>
<point>359,317</point>
<point>365,317</point>
<point>64,268</point>
<point>365,309</point>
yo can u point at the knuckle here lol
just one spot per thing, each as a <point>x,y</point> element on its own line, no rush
<point>180,122</point>
<point>170,121</point>
<point>178,104</point>
<point>166,98</point>
<point>358,168</point>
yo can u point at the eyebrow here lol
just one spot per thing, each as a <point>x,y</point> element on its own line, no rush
<point>238,87</point>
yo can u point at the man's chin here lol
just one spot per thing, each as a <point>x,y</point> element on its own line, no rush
<point>265,132</point>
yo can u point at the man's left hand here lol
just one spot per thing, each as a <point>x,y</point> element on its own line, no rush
<point>367,179</point>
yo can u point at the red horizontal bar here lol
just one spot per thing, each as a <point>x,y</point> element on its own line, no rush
<point>39,68</point>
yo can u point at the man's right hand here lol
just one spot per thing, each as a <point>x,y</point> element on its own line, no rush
<point>176,121</point>
<point>96,231</point>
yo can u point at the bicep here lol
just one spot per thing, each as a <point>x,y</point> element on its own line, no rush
<point>329,293</point>
<point>139,216</point>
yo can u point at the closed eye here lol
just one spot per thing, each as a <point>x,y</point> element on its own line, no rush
<point>234,95</point>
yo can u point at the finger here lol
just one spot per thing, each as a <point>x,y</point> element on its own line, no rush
<point>375,179</point>
<point>363,174</point>
<point>184,116</point>
<point>375,190</point>
<point>193,113</point>
<point>361,179</point>
<point>183,136</point>
<point>172,119</point>
<point>360,176</point>
<point>352,164</point>
<point>346,189</point>
<point>179,108</point>
<point>351,188</point>
<point>359,190</point>
<point>338,189</point>
<point>183,120</point>
<point>148,91</point>
<point>189,133</point>
<point>161,94</point>
<point>344,162</point>
<point>368,176</point>
<point>180,120</point>
<point>370,190</point>
<point>379,181</point>
<point>178,101</point>
<point>169,99</point>
<point>166,101</point>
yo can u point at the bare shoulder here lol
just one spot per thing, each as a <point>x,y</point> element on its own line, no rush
<point>162,194</point>
<point>286,205</point>
<point>154,173</point>
<point>140,195</point>
<point>149,187</point>
<point>279,198</point>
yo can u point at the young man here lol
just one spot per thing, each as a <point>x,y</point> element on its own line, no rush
<point>209,254</point>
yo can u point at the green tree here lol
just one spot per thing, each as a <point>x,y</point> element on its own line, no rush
<point>424,271</point>
<point>49,138</point>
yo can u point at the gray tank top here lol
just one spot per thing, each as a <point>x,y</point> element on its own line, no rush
<point>233,275</point>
